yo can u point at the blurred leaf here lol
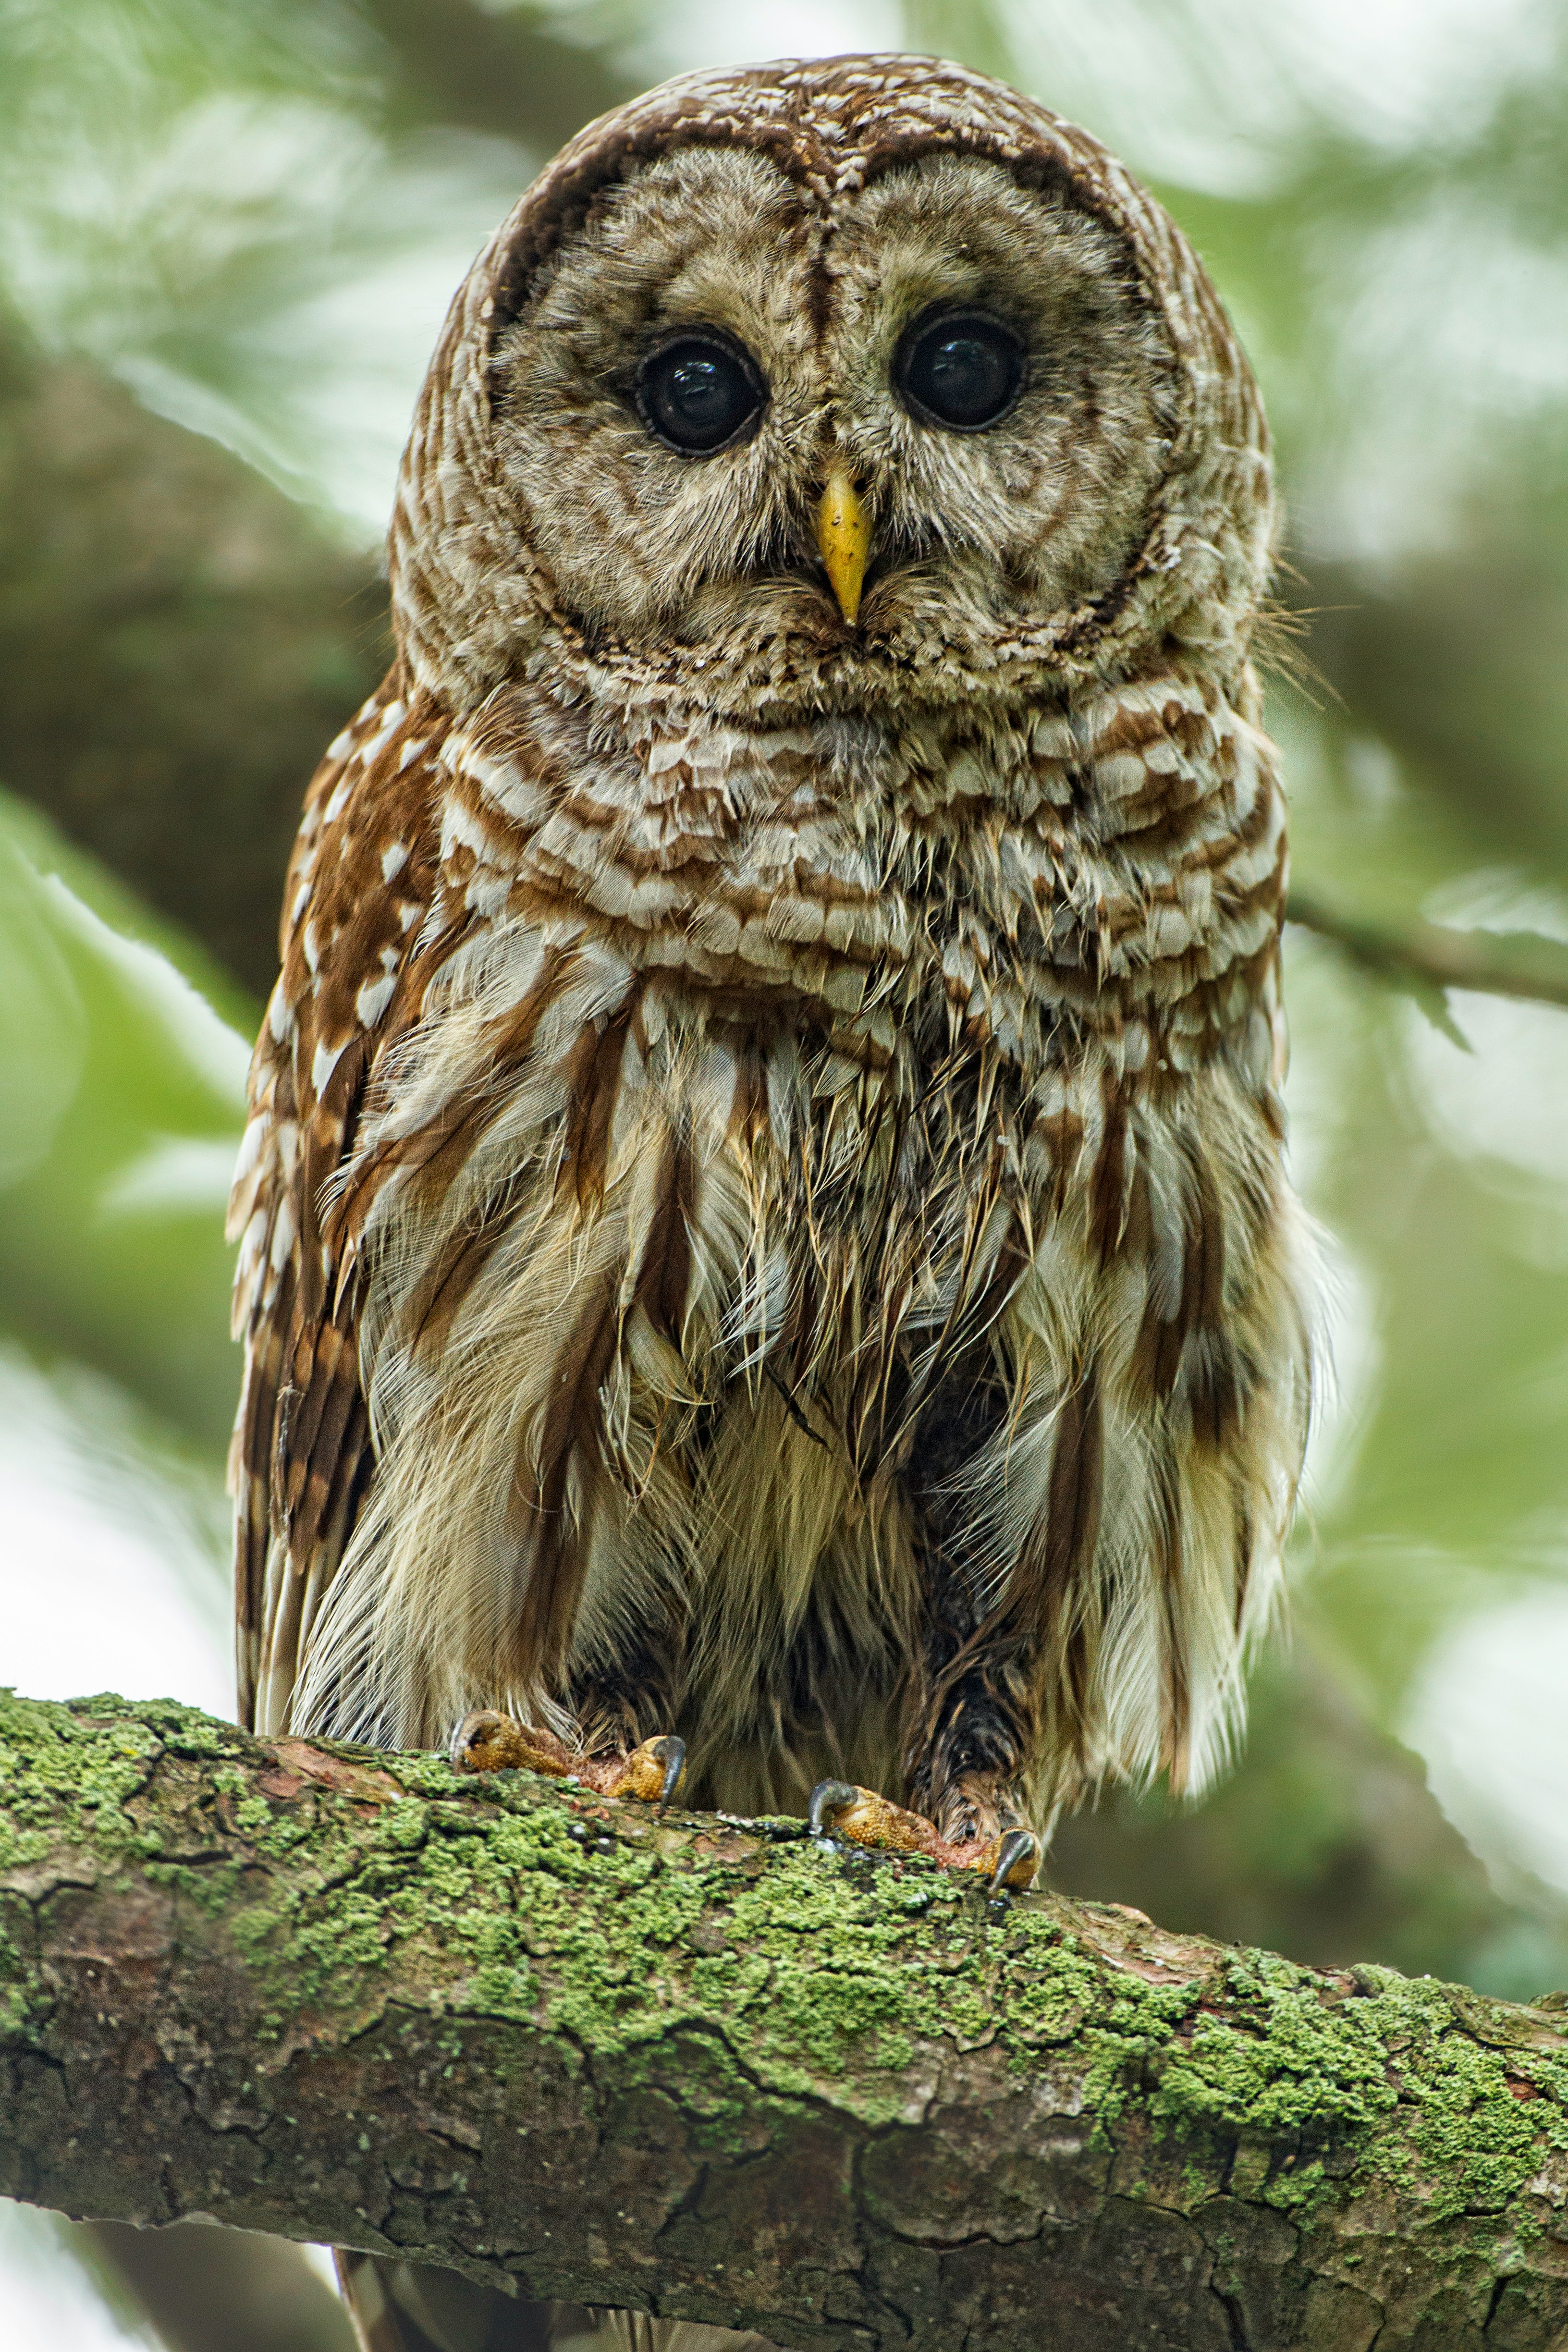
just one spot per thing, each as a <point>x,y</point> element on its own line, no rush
<point>129,1086</point>
<point>49,2300</point>
<point>227,215</point>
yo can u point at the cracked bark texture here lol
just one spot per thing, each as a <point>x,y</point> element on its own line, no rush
<point>711,2069</point>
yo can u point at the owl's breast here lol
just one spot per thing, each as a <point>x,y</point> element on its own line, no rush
<point>734,1003</point>
<point>748,878</point>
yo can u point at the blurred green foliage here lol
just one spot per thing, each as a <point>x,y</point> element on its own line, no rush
<point>226,237</point>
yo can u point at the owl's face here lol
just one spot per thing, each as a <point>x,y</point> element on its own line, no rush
<point>971,355</point>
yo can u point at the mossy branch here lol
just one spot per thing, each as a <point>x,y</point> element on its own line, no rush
<point>711,2069</point>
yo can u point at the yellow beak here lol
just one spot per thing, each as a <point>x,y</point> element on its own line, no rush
<point>843,536</point>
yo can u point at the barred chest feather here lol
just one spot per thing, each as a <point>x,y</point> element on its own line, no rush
<point>741,1103</point>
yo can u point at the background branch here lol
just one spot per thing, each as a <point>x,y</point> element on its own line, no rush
<point>1500,963</point>
<point>709,2068</point>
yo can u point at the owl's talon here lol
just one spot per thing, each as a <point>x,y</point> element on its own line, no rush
<point>674,1768</point>
<point>1017,1864</point>
<point>829,1799</point>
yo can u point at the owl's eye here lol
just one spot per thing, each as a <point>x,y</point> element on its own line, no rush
<point>699,393</point>
<point>963,371</point>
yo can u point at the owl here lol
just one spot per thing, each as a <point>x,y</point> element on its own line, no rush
<point>764,1250</point>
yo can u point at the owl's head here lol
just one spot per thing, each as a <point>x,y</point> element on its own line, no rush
<point>786,388</point>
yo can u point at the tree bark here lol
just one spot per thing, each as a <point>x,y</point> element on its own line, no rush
<point>714,2069</point>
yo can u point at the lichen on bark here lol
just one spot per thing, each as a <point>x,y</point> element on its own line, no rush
<point>715,2068</point>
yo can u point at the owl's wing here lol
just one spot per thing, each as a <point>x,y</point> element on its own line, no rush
<point>361,884</point>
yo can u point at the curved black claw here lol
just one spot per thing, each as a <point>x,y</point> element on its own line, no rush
<point>671,1753</point>
<point>1017,1847</point>
<point>828,1799</point>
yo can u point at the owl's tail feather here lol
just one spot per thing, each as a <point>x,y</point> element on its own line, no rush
<point>399,2306</point>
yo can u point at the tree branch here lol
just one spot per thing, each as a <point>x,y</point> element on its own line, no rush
<point>709,2068</point>
<point>1499,963</point>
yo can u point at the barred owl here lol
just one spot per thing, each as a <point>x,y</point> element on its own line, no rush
<point>764,1238</point>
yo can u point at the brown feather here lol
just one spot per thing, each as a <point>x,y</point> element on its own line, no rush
<point>1176,1742</point>
<point>1106,1199</point>
<point>571,1426</point>
<point>594,1082</point>
<point>664,1271</point>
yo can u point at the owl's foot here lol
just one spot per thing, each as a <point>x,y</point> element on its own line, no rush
<point>652,1771</point>
<point>491,1742</point>
<point>840,1808</point>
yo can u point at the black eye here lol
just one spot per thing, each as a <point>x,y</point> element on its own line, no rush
<point>698,392</point>
<point>963,371</point>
